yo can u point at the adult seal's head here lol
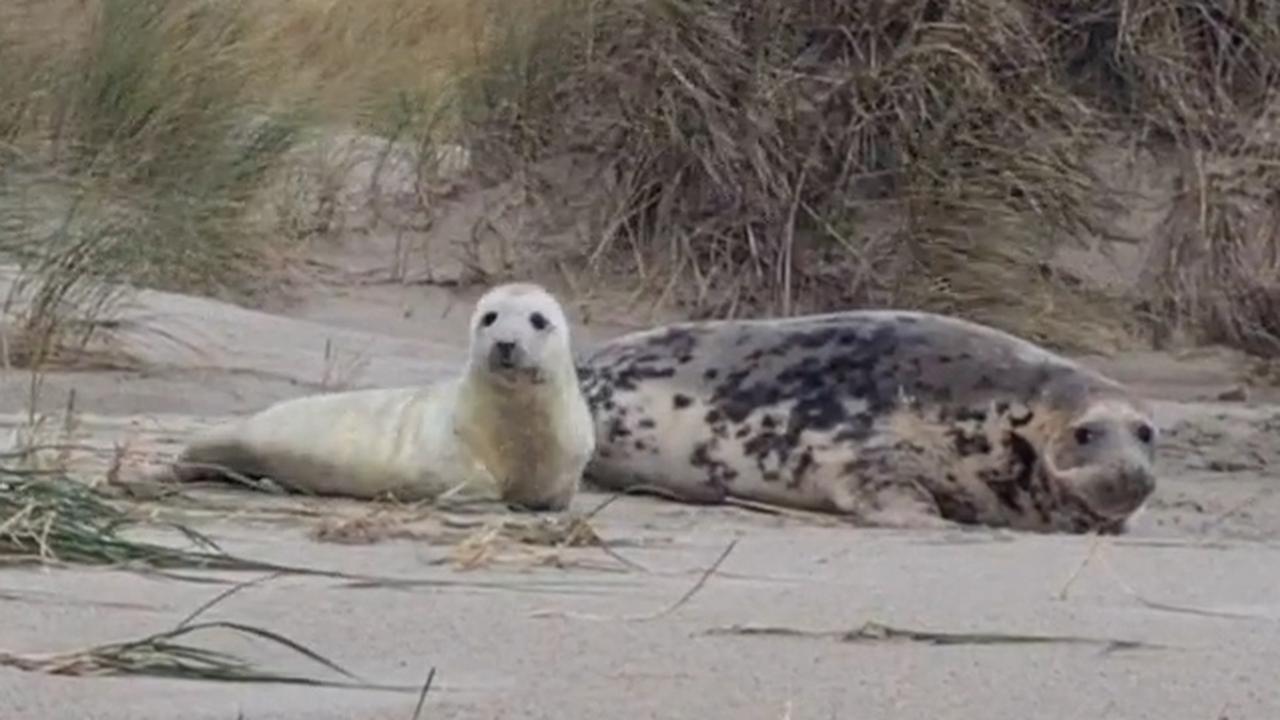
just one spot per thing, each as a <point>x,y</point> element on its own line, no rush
<point>1099,447</point>
<point>520,337</point>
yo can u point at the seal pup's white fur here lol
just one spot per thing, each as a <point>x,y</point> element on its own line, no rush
<point>512,426</point>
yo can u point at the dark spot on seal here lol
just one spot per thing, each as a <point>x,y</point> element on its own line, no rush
<point>677,342</point>
<point>1027,459</point>
<point>803,466</point>
<point>647,423</point>
<point>855,428</point>
<point>940,393</point>
<point>1013,482</point>
<point>701,456</point>
<point>970,415</point>
<point>814,339</point>
<point>957,507</point>
<point>847,337</point>
<point>681,401</point>
<point>617,430</point>
<point>967,444</point>
<point>718,473</point>
<point>764,445</point>
<point>710,374</point>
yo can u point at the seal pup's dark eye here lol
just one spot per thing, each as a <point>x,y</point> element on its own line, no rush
<point>1083,436</point>
<point>538,321</point>
<point>489,318</point>
<point>1145,433</point>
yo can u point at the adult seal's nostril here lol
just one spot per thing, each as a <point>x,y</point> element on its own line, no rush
<point>1128,488</point>
<point>1139,482</point>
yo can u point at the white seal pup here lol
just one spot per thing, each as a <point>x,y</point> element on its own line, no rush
<point>512,426</point>
<point>893,418</point>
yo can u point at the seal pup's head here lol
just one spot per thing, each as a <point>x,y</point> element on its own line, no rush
<point>520,335</point>
<point>1105,456</point>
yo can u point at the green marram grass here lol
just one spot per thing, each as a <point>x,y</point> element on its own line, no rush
<point>49,517</point>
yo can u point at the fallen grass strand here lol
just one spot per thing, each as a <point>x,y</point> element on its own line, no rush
<point>422,697</point>
<point>162,655</point>
<point>688,595</point>
<point>872,631</point>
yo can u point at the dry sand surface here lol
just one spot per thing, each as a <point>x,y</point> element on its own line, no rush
<point>539,632</point>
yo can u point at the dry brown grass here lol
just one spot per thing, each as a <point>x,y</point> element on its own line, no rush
<point>753,157</point>
<point>779,156</point>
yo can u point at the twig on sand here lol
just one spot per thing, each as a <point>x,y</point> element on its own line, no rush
<point>1249,501</point>
<point>872,631</point>
<point>603,544</point>
<point>1096,552</point>
<point>1094,544</point>
<point>706,575</point>
<point>224,595</point>
<point>422,698</point>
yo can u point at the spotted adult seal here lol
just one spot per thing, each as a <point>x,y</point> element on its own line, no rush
<point>893,418</point>
<point>513,425</point>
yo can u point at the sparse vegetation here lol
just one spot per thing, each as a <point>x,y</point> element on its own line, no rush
<point>782,156</point>
<point>776,157</point>
<point>47,517</point>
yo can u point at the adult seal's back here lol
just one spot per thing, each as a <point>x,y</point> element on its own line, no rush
<point>894,418</point>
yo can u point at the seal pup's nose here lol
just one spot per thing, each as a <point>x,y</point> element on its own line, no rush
<point>504,352</point>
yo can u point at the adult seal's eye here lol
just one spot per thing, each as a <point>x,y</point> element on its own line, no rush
<point>489,318</point>
<point>1145,433</point>
<point>538,321</point>
<point>1083,436</point>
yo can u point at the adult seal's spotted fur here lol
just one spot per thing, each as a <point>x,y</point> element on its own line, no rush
<point>894,418</point>
<point>513,426</point>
